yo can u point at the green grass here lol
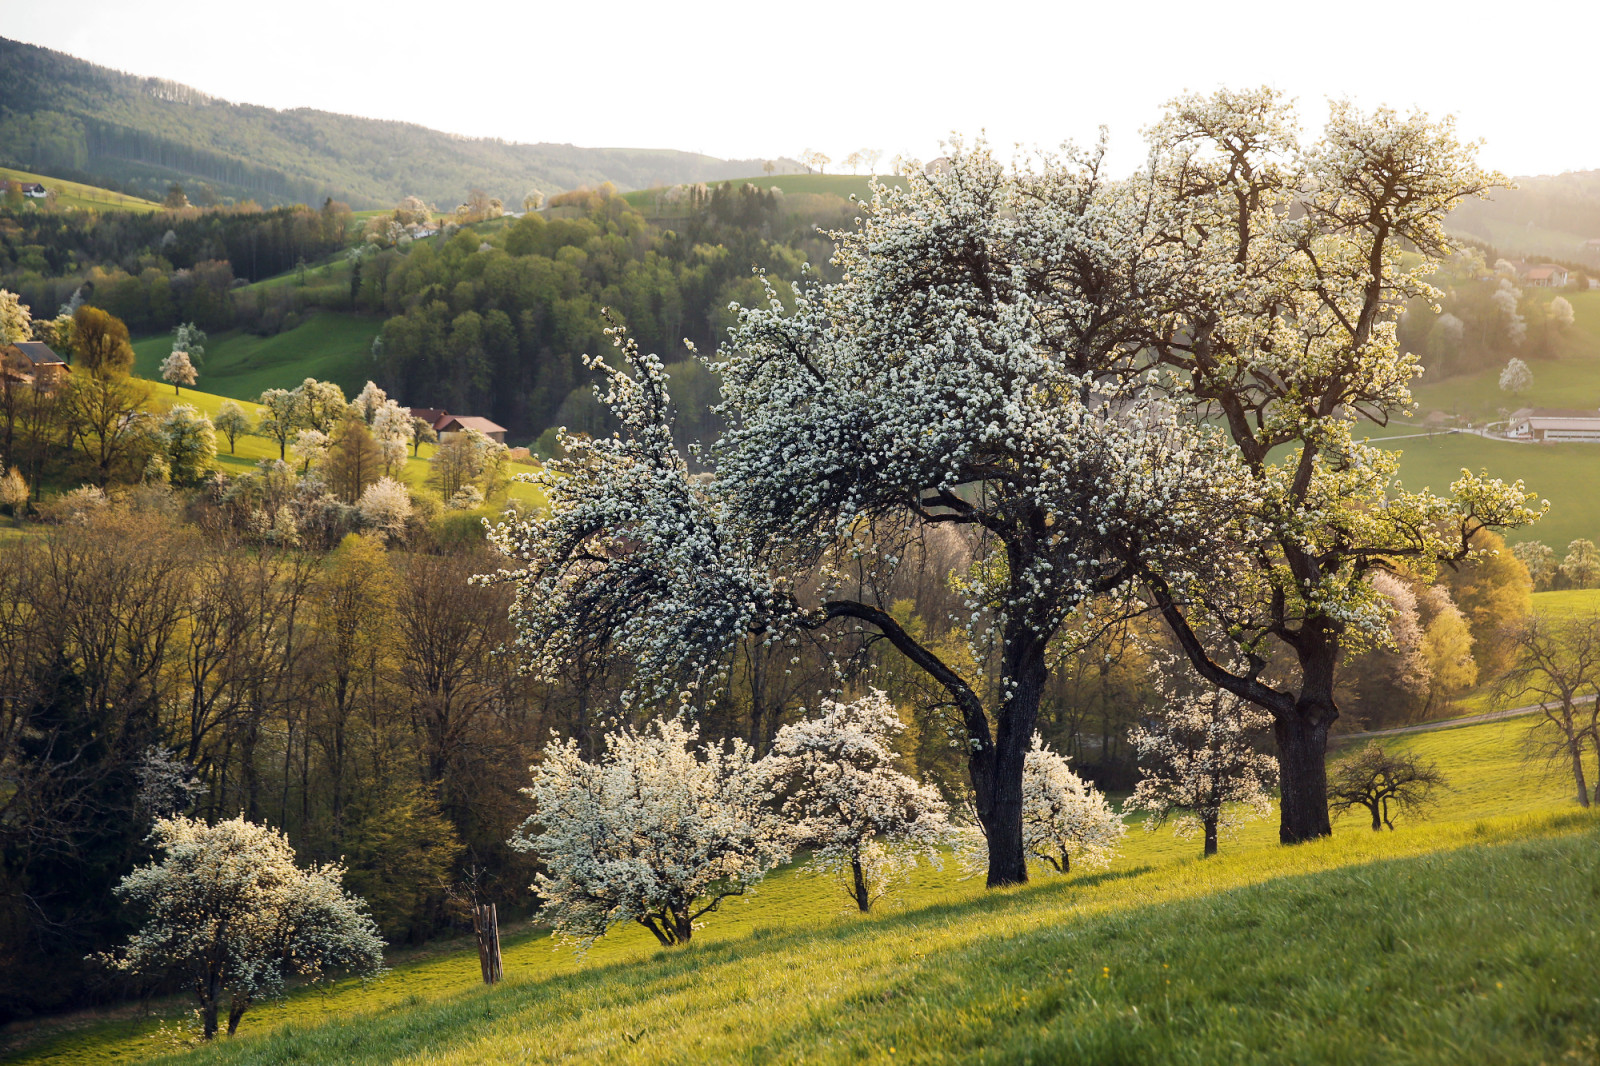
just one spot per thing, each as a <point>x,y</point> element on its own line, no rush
<point>1567,602</point>
<point>326,346</point>
<point>76,195</point>
<point>1466,937</point>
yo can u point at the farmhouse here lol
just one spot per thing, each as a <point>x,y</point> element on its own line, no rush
<point>1555,423</point>
<point>35,190</point>
<point>32,363</point>
<point>1547,276</point>
<point>444,423</point>
<point>460,423</point>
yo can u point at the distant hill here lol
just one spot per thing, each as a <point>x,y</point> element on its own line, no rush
<point>66,117</point>
<point>76,194</point>
<point>1546,216</point>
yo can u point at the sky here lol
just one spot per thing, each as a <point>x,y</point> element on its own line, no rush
<point>761,80</point>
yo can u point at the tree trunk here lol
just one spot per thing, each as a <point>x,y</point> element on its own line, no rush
<point>1577,774</point>
<point>235,1012</point>
<point>859,889</point>
<point>1377,823</point>
<point>1302,736</point>
<point>209,991</point>
<point>997,772</point>
<point>486,924</point>
<point>1211,836</point>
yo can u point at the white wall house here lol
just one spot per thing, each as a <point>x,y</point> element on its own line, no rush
<point>1554,424</point>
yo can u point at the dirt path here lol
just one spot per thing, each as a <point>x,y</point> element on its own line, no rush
<point>1451,723</point>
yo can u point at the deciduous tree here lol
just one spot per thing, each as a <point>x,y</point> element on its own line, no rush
<point>230,914</point>
<point>866,822</point>
<point>233,423</point>
<point>1374,778</point>
<point>1516,378</point>
<point>100,342</point>
<point>1199,755</point>
<point>176,370</point>
<point>1556,664</point>
<point>653,832</point>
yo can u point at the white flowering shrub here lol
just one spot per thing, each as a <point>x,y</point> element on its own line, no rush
<point>1066,822</point>
<point>866,822</point>
<point>466,498</point>
<point>167,784</point>
<point>385,506</point>
<point>231,916</point>
<point>655,831</point>
<point>1201,764</point>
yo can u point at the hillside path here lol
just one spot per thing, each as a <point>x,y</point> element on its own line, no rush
<point>1451,723</point>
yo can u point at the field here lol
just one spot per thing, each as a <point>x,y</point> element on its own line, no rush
<point>76,195</point>
<point>1466,937</point>
<point>326,346</point>
<point>841,185</point>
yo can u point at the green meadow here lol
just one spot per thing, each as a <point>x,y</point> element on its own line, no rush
<point>327,346</point>
<point>77,195</point>
<point>1468,935</point>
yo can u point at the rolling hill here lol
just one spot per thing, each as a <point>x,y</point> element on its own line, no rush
<point>63,116</point>
<point>74,194</point>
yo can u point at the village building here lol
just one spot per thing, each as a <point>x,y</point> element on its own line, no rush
<point>1554,424</point>
<point>444,423</point>
<point>1546,276</point>
<point>33,363</point>
<point>34,190</point>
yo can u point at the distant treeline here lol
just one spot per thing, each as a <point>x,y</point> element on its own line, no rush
<point>155,270</point>
<point>60,115</point>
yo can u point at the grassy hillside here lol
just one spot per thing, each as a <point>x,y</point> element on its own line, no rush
<point>75,194</point>
<point>1467,937</point>
<point>326,346</point>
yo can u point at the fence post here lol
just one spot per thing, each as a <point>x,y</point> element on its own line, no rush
<point>486,924</point>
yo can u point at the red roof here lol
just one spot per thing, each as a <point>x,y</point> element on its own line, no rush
<point>451,423</point>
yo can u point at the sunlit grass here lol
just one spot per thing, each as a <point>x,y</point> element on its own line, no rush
<point>1485,890</point>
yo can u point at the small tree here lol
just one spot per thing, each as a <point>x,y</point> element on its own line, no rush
<point>310,448</point>
<point>233,423</point>
<point>422,432</point>
<point>652,832</point>
<point>354,460</point>
<point>867,822</point>
<point>456,464</point>
<point>230,914</point>
<point>176,370</point>
<point>189,442</point>
<point>279,418</point>
<point>1582,564</point>
<point>1556,664</point>
<point>385,506</point>
<point>190,338</point>
<point>1516,378</point>
<point>100,342</point>
<point>1062,816</point>
<point>1540,559</point>
<point>14,494</point>
<point>1199,757</point>
<point>1374,778</point>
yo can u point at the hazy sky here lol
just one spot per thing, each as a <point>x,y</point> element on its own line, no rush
<point>759,79</point>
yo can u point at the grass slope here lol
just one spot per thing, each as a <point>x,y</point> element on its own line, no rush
<point>77,195</point>
<point>327,346</point>
<point>1461,937</point>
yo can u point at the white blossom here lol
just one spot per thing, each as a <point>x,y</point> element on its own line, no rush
<point>865,821</point>
<point>654,831</point>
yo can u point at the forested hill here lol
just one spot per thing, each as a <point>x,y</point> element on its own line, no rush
<point>63,116</point>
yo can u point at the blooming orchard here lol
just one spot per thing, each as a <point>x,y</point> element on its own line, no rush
<point>1064,819</point>
<point>865,821</point>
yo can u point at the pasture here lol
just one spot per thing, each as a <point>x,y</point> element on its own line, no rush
<point>327,346</point>
<point>77,195</point>
<point>1465,935</point>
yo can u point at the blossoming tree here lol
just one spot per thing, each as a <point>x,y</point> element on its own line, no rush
<point>1200,760</point>
<point>231,915</point>
<point>837,784</point>
<point>1280,325</point>
<point>976,366</point>
<point>653,832</point>
<point>1064,818</point>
